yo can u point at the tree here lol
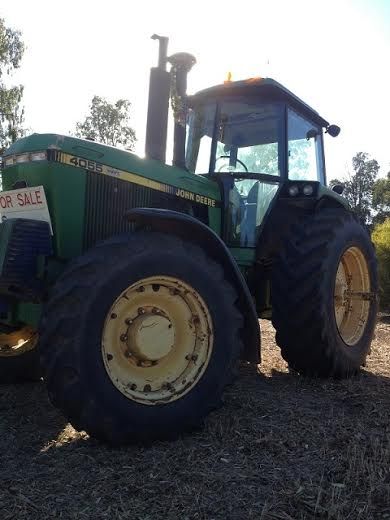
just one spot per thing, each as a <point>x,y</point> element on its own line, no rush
<point>381,199</point>
<point>108,123</point>
<point>11,113</point>
<point>381,239</point>
<point>359,186</point>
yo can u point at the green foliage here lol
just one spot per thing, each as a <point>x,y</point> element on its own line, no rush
<point>262,158</point>
<point>381,239</point>
<point>381,199</point>
<point>108,123</point>
<point>11,114</point>
<point>358,188</point>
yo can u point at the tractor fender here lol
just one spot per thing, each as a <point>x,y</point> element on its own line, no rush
<point>189,228</point>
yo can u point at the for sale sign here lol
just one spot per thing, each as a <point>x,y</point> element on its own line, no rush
<point>25,203</point>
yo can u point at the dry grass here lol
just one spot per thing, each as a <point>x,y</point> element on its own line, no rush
<point>282,448</point>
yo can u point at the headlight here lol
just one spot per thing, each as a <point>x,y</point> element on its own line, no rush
<point>38,156</point>
<point>24,157</point>
<point>293,190</point>
<point>9,161</point>
<point>308,190</point>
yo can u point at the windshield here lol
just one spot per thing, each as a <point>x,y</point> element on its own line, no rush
<point>246,135</point>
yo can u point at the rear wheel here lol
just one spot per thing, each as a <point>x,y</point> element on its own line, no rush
<point>139,338</point>
<point>19,359</point>
<point>324,293</point>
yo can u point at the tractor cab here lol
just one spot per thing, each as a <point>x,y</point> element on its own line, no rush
<point>252,137</point>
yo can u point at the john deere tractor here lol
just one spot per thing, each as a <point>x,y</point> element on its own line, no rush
<point>134,287</point>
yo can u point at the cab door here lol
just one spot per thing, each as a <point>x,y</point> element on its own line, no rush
<point>249,199</point>
<point>248,146</point>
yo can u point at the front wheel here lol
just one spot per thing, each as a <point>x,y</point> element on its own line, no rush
<point>324,295</point>
<point>139,338</point>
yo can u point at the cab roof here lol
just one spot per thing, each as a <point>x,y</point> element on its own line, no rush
<point>266,88</point>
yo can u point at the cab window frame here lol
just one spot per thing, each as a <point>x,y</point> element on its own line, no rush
<point>319,144</point>
<point>280,108</point>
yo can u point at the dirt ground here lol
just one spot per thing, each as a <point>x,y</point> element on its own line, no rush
<point>283,447</point>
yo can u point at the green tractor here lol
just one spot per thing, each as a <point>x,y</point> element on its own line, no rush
<point>135,287</point>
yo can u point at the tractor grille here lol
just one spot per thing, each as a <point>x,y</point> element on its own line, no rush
<point>107,200</point>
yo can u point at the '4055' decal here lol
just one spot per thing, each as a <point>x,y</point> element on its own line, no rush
<point>87,164</point>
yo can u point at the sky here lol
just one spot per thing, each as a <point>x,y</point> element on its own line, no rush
<point>335,55</point>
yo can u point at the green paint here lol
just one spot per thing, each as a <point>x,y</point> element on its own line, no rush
<point>65,189</point>
<point>244,256</point>
<point>28,313</point>
<point>323,191</point>
<point>65,193</point>
<point>118,159</point>
<point>215,220</point>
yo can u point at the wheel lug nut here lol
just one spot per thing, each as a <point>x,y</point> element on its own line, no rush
<point>128,321</point>
<point>123,337</point>
<point>141,310</point>
<point>113,316</point>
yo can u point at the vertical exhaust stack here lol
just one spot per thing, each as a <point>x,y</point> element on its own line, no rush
<point>157,118</point>
<point>182,63</point>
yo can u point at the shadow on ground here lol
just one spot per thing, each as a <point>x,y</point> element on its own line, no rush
<point>282,447</point>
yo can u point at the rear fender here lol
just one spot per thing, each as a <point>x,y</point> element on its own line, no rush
<point>188,228</point>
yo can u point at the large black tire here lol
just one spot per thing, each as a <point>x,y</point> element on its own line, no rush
<point>303,292</point>
<point>71,337</point>
<point>24,365</point>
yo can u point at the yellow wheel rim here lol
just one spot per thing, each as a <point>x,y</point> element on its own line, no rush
<point>157,340</point>
<point>18,342</point>
<point>352,296</point>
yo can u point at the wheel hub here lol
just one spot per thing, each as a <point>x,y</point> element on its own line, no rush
<point>352,295</point>
<point>157,340</point>
<point>151,337</point>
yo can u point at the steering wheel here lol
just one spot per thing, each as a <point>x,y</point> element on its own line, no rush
<point>228,157</point>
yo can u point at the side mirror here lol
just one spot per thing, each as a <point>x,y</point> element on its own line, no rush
<point>333,130</point>
<point>338,188</point>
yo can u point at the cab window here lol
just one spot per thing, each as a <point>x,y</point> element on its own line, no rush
<point>238,136</point>
<point>200,131</point>
<point>248,137</point>
<point>305,157</point>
